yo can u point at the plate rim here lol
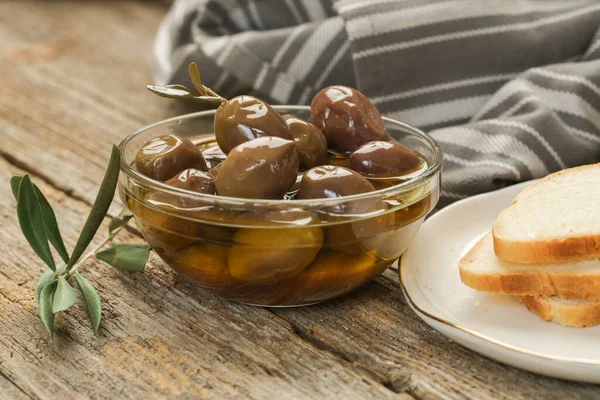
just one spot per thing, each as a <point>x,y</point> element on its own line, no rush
<point>421,312</point>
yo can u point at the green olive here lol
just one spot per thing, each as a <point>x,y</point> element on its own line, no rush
<point>206,263</point>
<point>333,274</point>
<point>244,118</point>
<point>280,245</point>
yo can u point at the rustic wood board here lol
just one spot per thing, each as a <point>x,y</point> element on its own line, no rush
<point>73,76</point>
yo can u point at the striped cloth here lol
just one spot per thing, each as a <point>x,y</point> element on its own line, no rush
<point>510,88</point>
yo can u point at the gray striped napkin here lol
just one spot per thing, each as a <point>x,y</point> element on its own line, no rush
<point>511,89</point>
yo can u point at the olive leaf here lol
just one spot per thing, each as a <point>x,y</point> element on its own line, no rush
<point>92,300</point>
<point>197,79</point>
<point>126,257</point>
<point>31,221</point>
<point>65,297</point>
<point>99,208</point>
<point>119,221</point>
<point>48,216</point>
<point>181,92</point>
<point>45,279</point>
<point>15,181</point>
<point>46,300</point>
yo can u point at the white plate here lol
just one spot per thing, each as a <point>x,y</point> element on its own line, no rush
<point>496,326</point>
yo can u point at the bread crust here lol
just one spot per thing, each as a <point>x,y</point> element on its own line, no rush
<point>548,251</point>
<point>538,283</point>
<point>531,282</point>
<point>579,316</point>
<point>570,248</point>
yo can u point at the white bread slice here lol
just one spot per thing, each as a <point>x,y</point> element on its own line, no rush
<point>554,220</point>
<point>480,269</point>
<point>568,312</point>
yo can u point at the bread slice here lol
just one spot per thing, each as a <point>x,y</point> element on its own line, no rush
<point>568,312</point>
<point>480,269</point>
<point>554,220</point>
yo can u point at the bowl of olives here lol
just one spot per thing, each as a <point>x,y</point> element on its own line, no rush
<point>280,205</point>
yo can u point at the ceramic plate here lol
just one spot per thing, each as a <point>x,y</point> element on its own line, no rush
<point>496,326</point>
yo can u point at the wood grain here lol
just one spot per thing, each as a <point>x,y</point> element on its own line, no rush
<point>72,84</point>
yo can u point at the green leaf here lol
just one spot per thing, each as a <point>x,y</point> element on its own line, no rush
<point>52,231</point>
<point>15,181</point>
<point>181,92</point>
<point>61,267</point>
<point>126,257</point>
<point>46,300</point>
<point>197,79</point>
<point>31,221</point>
<point>45,279</point>
<point>100,207</point>
<point>92,300</point>
<point>117,222</point>
<point>50,224</point>
<point>64,298</point>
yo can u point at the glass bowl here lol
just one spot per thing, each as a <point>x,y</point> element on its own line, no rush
<point>278,252</point>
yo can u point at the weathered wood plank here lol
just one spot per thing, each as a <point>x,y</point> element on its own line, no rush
<point>73,81</point>
<point>376,329</point>
<point>160,335</point>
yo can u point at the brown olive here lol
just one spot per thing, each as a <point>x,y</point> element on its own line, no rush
<point>214,171</point>
<point>366,218</point>
<point>331,181</point>
<point>193,180</point>
<point>310,142</point>
<point>347,118</point>
<point>384,159</point>
<point>165,156</point>
<point>339,160</point>
<point>263,168</point>
<point>245,118</point>
<point>297,183</point>
<point>270,251</point>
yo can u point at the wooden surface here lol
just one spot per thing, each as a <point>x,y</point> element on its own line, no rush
<point>72,83</point>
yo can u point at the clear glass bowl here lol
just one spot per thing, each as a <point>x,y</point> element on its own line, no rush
<point>278,252</point>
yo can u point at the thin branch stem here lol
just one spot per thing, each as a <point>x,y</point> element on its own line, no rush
<point>93,252</point>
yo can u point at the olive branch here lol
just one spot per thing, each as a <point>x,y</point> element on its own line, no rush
<point>54,292</point>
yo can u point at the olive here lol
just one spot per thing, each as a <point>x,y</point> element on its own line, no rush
<point>384,159</point>
<point>165,156</point>
<point>339,160</point>
<point>161,230</point>
<point>310,142</point>
<point>332,181</point>
<point>263,168</point>
<point>297,183</point>
<point>280,245</point>
<point>206,263</point>
<point>245,118</point>
<point>172,222</point>
<point>214,171</point>
<point>347,118</point>
<point>333,274</point>
<point>193,180</point>
<point>355,220</point>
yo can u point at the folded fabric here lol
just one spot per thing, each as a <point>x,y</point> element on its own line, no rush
<point>511,90</point>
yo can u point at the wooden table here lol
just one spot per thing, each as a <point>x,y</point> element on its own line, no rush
<point>72,83</point>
